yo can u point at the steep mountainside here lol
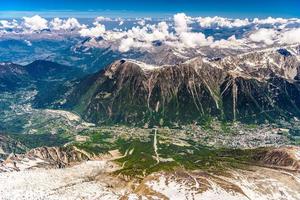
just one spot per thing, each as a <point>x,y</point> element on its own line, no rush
<point>49,79</point>
<point>45,77</point>
<point>252,87</point>
<point>42,69</point>
<point>12,76</point>
<point>9,145</point>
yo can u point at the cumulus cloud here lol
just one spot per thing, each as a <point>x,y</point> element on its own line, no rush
<point>177,33</point>
<point>192,40</point>
<point>240,22</point>
<point>186,37</point>
<point>270,20</point>
<point>146,36</point>
<point>8,24</point>
<point>210,22</point>
<point>181,23</point>
<point>126,44</point>
<point>69,24</point>
<point>96,31</point>
<point>100,19</point>
<point>216,22</point>
<point>231,42</point>
<point>266,36</point>
<point>291,36</point>
<point>136,37</point>
<point>142,22</point>
<point>271,36</point>
<point>35,23</point>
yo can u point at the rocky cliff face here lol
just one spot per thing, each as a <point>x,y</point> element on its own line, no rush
<point>253,87</point>
<point>283,157</point>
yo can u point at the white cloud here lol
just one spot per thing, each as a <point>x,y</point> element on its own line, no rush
<point>69,24</point>
<point>35,23</point>
<point>141,22</point>
<point>215,22</point>
<point>240,22</point>
<point>192,40</point>
<point>231,42</point>
<point>181,23</point>
<point>8,24</point>
<point>145,35</point>
<point>101,19</point>
<point>126,44</point>
<point>270,20</point>
<point>129,43</point>
<point>271,36</point>
<point>291,36</point>
<point>28,43</point>
<point>162,31</point>
<point>185,36</point>
<point>211,22</point>
<point>96,31</point>
<point>267,36</point>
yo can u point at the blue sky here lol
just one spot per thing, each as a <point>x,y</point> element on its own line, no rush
<point>153,8</point>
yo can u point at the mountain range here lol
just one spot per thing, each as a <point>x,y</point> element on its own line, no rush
<point>151,125</point>
<point>251,87</point>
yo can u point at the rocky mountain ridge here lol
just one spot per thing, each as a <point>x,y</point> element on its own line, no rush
<point>253,87</point>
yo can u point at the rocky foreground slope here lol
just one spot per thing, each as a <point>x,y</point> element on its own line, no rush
<point>253,87</point>
<point>43,157</point>
<point>276,177</point>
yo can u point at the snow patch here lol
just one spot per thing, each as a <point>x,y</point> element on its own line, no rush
<point>143,65</point>
<point>179,191</point>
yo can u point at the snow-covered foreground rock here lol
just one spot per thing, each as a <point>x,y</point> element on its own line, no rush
<point>256,184</point>
<point>69,183</point>
<point>94,180</point>
<point>38,175</point>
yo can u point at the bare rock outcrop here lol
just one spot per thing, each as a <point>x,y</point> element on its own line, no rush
<point>44,157</point>
<point>283,157</point>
